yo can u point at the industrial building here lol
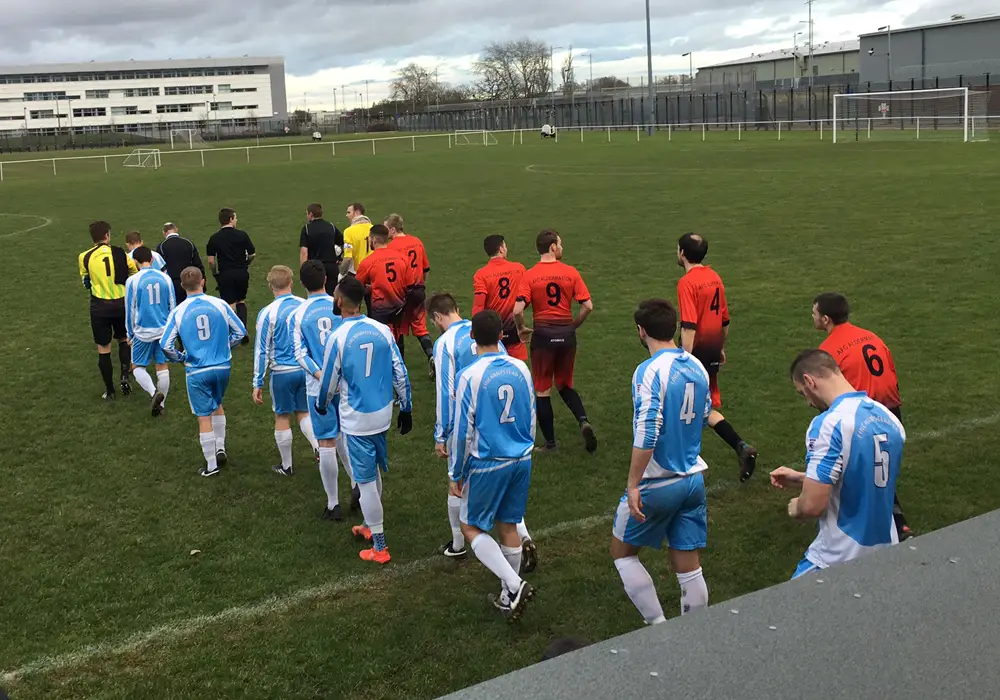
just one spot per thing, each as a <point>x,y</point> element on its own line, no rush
<point>135,96</point>
<point>831,63</point>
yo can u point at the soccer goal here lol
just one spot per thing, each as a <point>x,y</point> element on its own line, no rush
<point>186,138</point>
<point>475,138</point>
<point>940,113</point>
<point>143,158</point>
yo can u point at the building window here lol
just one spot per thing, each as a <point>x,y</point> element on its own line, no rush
<point>247,89</point>
<point>188,90</point>
<point>142,92</point>
<point>167,109</point>
<point>14,118</point>
<point>90,112</point>
<point>225,88</point>
<point>42,114</point>
<point>245,107</point>
<point>44,96</point>
<point>123,111</point>
<point>221,106</point>
<point>97,94</point>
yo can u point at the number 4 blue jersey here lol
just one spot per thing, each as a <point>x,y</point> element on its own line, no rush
<point>495,413</point>
<point>856,447</point>
<point>208,327</point>
<point>311,324</point>
<point>671,399</point>
<point>149,299</point>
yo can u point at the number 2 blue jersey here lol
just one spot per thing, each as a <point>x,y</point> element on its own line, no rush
<point>274,349</point>
<point>311,324</point>
<point>362,364</point>
<point>855,446</point>
<point>149,299</point>
<point>453,352</point>
<point>208,327</point>
<point>670,395</point>
<point>495,413</point>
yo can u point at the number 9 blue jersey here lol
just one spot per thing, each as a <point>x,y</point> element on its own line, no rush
<point>208,327</point>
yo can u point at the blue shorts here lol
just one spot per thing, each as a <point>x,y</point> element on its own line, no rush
<point>145,354</point>
<point>495,490</point>
<point>288,392</point>
<point>325,427</point>
<point>805,567</point>
<point>366,454</point>
<point>675,513</point>
<point>205,389</point>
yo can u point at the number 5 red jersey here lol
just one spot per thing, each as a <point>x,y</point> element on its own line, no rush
<point>494,287</point>
<point>550,288</point>
<point>701,298</point>
<point>865,362</point>
<point>389,275</point>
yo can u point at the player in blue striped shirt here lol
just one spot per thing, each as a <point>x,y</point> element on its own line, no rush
<point>276,352</point>
<point>363,365</point>
<point>133,241</point>
<point>149,299</point>
<point>311,324</point>
<point>208,328</point>
<point>489,458</point>
<point>853,453</point>
<point>665,496</point>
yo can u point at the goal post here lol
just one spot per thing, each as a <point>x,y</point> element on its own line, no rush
<point>143,158</point>
<point>186,138</point>
<point>474,137</point>
<point>937,113</point>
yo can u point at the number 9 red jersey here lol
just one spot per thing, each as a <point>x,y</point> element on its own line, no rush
<point>550,288</point>
<point>865,362</point>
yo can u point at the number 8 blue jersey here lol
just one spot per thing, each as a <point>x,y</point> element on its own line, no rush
<point>311,325</point>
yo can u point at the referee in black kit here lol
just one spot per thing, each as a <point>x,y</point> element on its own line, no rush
<point>320,240</point>
<point>230,252</point>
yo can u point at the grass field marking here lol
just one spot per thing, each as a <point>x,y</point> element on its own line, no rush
<point>46,221</point>
<point>970,424</point>
<point>603,171</point>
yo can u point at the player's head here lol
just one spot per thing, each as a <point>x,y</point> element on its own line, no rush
<point>143,256</point>
<point>830,309</point>
<point>656,319</point>
<point>379,236</point>
<point>495,246</point>
<point>354,210</point>
<point>279,279</point>
<point>169,228</point>
<point>443,310</point>
<point>227,217</point>
<point>192,280</point>
<point>487,329</point>
<point>548,242</point>
<point>394,222</point>
<point>691,248</point>
<point>314,211</point>
<point>133,239</point>
<point>313,275</point>
<point>100,232</point>
<point>349,294</point>
<point>817,378</point>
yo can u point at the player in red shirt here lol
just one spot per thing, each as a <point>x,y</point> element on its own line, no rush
<point>415,319</point>
<point>701,299</point>
<point>550,288</point>
<point>494,287</point>
<point>865,361</point>
<point>393,287</point>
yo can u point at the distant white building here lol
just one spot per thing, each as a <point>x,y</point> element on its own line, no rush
<point>141,95</point>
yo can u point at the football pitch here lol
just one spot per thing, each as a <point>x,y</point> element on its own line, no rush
<point>101,506</point>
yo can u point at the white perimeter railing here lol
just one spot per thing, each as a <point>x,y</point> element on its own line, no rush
<point>822,127</point>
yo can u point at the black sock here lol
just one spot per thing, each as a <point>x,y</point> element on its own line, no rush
<point>125,358</point>
<point>728,433</point>
<point>402,346</point>
<point>107,373</point>
<point>427,345</point>
<point>574,403</point>
<point>241,312</point>
<point>897,514</point>
<point>546,418</point>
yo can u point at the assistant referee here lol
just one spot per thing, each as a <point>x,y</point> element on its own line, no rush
<point>104,269</point>
<point>320,240</point>
<point>230,252</point>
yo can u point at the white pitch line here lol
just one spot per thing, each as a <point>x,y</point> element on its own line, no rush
<point>46,221</point>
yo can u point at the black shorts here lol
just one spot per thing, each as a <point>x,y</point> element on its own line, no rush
<point>332,273</point>
<point>710,358</point>
<point>107,320</point>
<point>233,285</point>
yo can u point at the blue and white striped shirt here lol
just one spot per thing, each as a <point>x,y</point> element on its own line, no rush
<point>312,323</point>
<point>158,262</point>
<point>453,352</point>
<point>275,350</point>
<point>209,329</point>
<point>149,299</point>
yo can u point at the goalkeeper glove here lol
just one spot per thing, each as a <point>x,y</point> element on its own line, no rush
<point>404,422</point>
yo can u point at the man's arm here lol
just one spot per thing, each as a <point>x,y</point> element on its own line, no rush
<point>479,294</point>
<point>400,377</point>
<point>131,302</point>
<point>586,307</point>
<point>688,315</point>
<point>687,338</point>
<point>812,502</point>
<point>464,421</point>
<point>251,251</point>
<point>168,343</point>
<point>444,365</point>
<point>237,331</point>
<point>301,351</point>
<point>304,244</point>
<point>303,255</point>
<point>260,355</point>
<point>196,259</point>
<point>211,265</point>
<point>329,379</point>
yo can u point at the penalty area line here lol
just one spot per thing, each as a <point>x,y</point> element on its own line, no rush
<point>46,221</point>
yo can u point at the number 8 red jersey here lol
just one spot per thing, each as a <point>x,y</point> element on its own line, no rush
<point>494,287</point>
<point>865,362</point>
<point>701,297</point>
<point>550,288</point>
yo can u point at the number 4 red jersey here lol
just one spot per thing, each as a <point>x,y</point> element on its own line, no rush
<point>494,287</point>
<point>550,288</point>
<point>701,297</point>
<point>865,362</point>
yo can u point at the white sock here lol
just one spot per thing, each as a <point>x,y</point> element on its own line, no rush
<point>522,531</point>
<point>219,426</point>
<point>694,591</point>
<point>489,553</point>
<point>371,507</point>
<point>163,382</point>
<point>378,482</point>
<point>513,557</point>
<point>640,589</point>
<point>454,510</point>
<point>145,381</point>
<point>328,473</point>
<point>342,451</point>
<point>306,426</point>
<point>208,449</point>
<point>284,440</point>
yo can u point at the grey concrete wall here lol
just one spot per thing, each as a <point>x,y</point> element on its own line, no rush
<point>941,51</point>
<point>279,98</point>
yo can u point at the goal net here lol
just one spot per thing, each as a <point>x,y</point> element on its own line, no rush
<point>475,138</point>
<point>944,113</point>
<point>143,158</point>
<point>186,138</point>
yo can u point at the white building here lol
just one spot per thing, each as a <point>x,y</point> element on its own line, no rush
<point>141,95</point>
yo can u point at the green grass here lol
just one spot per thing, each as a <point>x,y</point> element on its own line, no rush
<point>101,505</point>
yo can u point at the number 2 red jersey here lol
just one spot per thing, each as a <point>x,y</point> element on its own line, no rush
<point>701,297</point>
<point>865,362</point>
<point>412,250</point>
<point>389,276</point>
<point>550,288</point>
<point>494,287</point>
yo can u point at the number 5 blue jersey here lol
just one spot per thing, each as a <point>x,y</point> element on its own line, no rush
<point>274,348</point>
<point>208,327</point>
<point>670,395</point>
<point>495,413</point>
<point>149,299</point>
<point>311,325</point>
<point>362,363</point>
<point>855,446</point>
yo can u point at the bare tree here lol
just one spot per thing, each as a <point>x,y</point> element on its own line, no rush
<point>568,75</point>
<point>609,81</point>
<point>513,70</point>
<point>414,84</point>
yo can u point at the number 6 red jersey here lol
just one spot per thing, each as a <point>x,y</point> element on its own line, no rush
<point>550,288</point>
<point>701,297</point>
<point>865,362</point>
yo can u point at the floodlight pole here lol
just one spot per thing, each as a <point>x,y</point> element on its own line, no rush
<point>888,52</point>
<point>649,67</point>
<point>690,59</point>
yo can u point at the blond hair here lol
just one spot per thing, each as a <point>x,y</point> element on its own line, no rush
<point>280,277</point>
<point>394,221</point>
<point>191,279</point>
